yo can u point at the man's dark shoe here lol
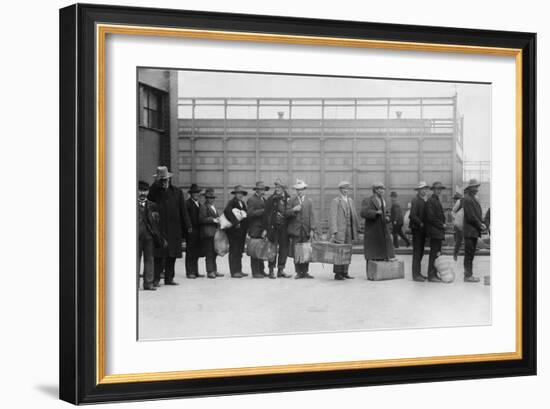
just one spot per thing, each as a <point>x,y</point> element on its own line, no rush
<point>170,283</point>
<point>211,275</point>
<point>299,276</point>
<point>281,273</point>
<point>348,277</point>
<point>156,284</point>
<point>244,274</point>
<point>307,275</point>
<point>339,277</point>
<point>199,275</point>
<point>471,279</point>
<point>455,257</point>
<point>218,274</point>
<point>258,275</point>
<point>149,289</point>
<point>434,280</point>
<point>191,276</point>
<point>237,275</point>
<point>264,274</point>
<point>419,278</point>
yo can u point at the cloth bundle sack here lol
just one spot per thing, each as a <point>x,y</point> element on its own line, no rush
<point>302,252</point>
<point>444,266</point>
<point>221,243</point>
<point>407,220</point>
<point>226,224</point>
<point>330,253</point>
<point>458,222</point>
<point>261,249</point>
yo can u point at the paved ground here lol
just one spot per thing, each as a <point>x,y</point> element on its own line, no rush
<point>229,307</point>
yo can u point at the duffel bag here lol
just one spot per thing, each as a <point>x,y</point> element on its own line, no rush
<point>221,243</point>
<point>261,249</point>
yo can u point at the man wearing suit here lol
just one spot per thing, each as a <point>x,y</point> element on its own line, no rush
<point>301,225</point>
<point>193,250</point>
<point>416,224</point>
<point>275,220</point>
<point>343,225</point>
<point>209,221</point>
<point>256,228</point>
<point>473,226</point>
<point>396,220</point>
<point>174,224</point>
<point>434,220</point>
<point>237,232</point>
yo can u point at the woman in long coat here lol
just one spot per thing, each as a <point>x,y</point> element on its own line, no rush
<point>377,242</point>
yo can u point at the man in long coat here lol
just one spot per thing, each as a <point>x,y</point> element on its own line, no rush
<point>343,225</point>
<point>416,224</point>
<point>377,242</point>
<point>434,220</point>
<point>277,211</point>
<point>193,248</point>
<point>301,225</point>
<point>473,226</point>
<point>209,219</point>
<point>256,227</point>
<point>237,232</point>
<point>174,224</point>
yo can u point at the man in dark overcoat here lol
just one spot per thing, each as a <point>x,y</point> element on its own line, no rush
<point>256,228</point>
<point>149,236</point>
<point>473,226</point>
<point>193,247</point>
<point>277,211</point>
<point>301,225</point>
<point>416,224</point>
<point>174,224</point>
<point>434,220</point>
<point>396,220</point>
<point>237,232</point>
<point>377,242</point>
<point>209,220</point>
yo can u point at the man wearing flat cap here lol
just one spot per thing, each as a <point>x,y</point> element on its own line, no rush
<point>193,248</point>
<point>175,224</point>
<point>237,232</point>
<point>434,220</point>
<point>277,210</point>
<point>473,226</point>
<point>209,219</point>
<point>256,228</point>
<point>418,229</point>
<point>377,242</point>
<point>301,225</point>
<point>343,225</point>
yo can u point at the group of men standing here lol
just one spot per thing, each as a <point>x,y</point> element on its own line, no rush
<point>166,218</point>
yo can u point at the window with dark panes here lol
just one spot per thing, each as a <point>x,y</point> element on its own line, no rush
<point>151,107</point>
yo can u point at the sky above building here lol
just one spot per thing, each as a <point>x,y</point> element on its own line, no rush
<point>473,100</point>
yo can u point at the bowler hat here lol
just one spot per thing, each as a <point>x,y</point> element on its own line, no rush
<point>344,185</point>
<point>162,173</point>
<point>421,185</point>
<point>239,189</point>
<point>194,189</point>
<point>261,186</point>
<point>300,184</point>
<point>437,185</point>
<point>209,193</point>
<point>472,183</point>
<point>143,185</point>
<point>393,194</point>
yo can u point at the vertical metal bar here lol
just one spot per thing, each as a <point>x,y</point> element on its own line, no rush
<point>192,140</point>
<point>388,110</point>
<point>289,143</point>
<point>421,108</point>
<point>322,170</point>
<point>258,163</point>
<point>454,142</point>
<point>225,158</point>
<point>354,177</point>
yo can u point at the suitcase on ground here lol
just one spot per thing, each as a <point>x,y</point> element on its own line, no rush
<point>330,253</point>
<point>302,252</point>
<point>261,249</point>
<point>385,270</point>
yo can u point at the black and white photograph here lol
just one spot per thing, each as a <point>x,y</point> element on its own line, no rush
<point>277,203</point>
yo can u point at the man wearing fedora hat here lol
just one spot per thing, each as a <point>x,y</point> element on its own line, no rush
<point>174,223</point>
<point>237,232</point>
<point>473,226</point>
<point>416,224</point>
<point>434,219</point>
<point>193,248</point>
<point>377,242</point>
<point>209,220</point>
<point>301,225</point>
<point>277,211</point>
<point>343,225</point>
<point>256,228</point>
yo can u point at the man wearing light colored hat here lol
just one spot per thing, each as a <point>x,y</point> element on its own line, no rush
<point>434,220</point>
<point>416,224</point>
<point>473,226</point>
<point>343,224</point>
<point>175,224</point>
<point>301,225</point>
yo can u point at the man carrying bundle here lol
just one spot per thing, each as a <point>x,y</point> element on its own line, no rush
<point>256,227</point>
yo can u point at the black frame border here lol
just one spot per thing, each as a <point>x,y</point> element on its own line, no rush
<point>77,284</point>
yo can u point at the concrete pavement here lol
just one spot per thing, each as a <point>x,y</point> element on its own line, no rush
<point>231,307</point>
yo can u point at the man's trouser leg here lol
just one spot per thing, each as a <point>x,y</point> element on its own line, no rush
<point>470,244</point>
<point>419,241</point>
<point>435,249</point>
